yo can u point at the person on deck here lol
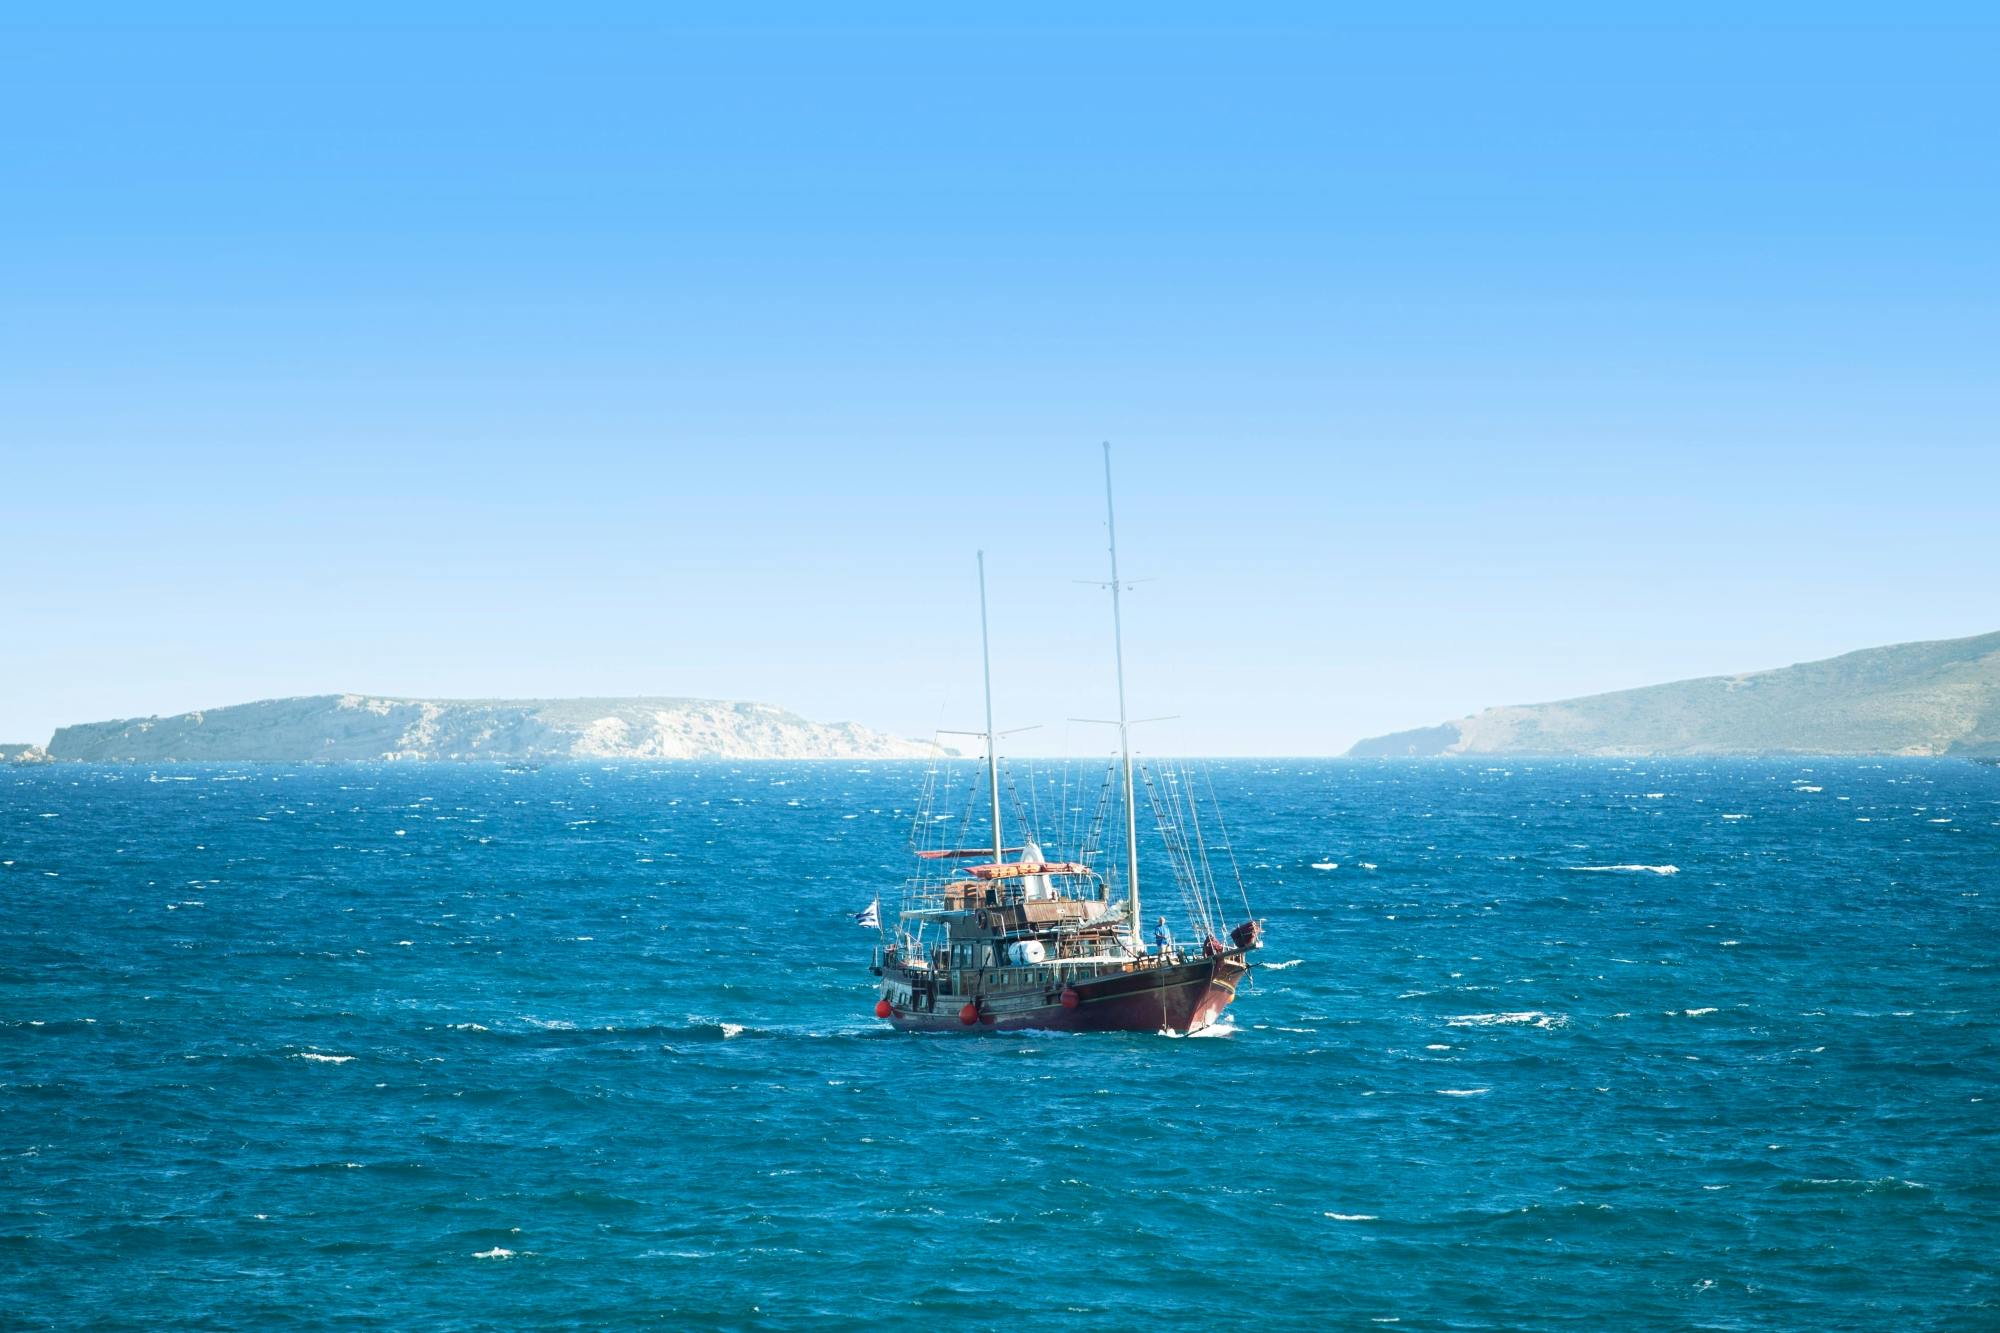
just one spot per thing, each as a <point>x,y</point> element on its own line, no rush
<point>1163,940</point>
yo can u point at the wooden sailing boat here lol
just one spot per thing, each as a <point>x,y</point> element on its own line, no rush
<point>1035,942</point>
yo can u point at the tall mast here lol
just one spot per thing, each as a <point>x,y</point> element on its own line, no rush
<point>992,757</point>
<point>1124,727</point>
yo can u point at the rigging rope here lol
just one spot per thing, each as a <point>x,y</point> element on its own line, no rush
<point>1014,799</point>
<point>1234,870</point>
<point>1164,796</point>
<point>1034,803</point>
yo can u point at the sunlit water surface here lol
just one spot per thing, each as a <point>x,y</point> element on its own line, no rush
<point>461,1047</point>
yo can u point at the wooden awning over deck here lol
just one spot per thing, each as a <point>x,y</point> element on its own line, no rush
<point>1018,869</point>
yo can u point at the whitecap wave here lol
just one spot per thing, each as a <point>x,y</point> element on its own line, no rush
<point>1524,1018</point>
<point>1629,869</point>
<point>495,1253</point>
<point>1879,1185</point>
<point>1352,1217</point>
<point>1463,1092</point>
<point>1279,967</point>
<point>324,1059</point>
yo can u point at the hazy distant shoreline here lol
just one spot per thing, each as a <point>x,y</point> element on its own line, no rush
<point>1936,698</point>
<point>1932,699</point>
<point>28,755</point>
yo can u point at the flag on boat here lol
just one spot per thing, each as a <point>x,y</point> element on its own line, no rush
<point>870,916</point>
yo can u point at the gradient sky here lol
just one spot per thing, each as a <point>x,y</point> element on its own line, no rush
<point>1447,364</point>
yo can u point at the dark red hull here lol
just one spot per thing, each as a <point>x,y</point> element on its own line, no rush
<point>1178,997</point>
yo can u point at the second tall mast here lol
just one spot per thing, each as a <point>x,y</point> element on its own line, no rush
<point>1124,724</point>
<point>992,741</point>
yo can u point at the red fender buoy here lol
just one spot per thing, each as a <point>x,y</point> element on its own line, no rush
<point>883,1008</point>
<point>969,1015</point>
<point>1070,998</point>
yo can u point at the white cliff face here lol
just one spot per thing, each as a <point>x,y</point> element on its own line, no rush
<point>365,727</point>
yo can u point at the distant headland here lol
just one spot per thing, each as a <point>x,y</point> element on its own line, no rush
<point>1936,698</point>
<point>332,727</point>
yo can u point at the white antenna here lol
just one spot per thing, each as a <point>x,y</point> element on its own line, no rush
<point>992,756</point>
<point>1124,726</point>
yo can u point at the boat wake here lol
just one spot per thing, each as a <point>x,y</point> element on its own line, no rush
<point>1225,1028</point>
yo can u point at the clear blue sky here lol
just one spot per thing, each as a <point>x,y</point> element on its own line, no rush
<point>1448,364</point>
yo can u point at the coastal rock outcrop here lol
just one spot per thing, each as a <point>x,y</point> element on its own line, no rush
<point>370,727</point>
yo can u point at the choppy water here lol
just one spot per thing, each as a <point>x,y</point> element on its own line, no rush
<point>456,1047</point>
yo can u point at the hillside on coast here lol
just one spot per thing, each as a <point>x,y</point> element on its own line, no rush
<point>1940,697</point>
<point>363,727</point>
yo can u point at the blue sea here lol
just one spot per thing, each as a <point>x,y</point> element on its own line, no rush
<point>1534,1045</point>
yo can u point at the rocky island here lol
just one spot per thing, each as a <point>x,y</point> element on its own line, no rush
<point>1935,698</point>
<point>331,727</point>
